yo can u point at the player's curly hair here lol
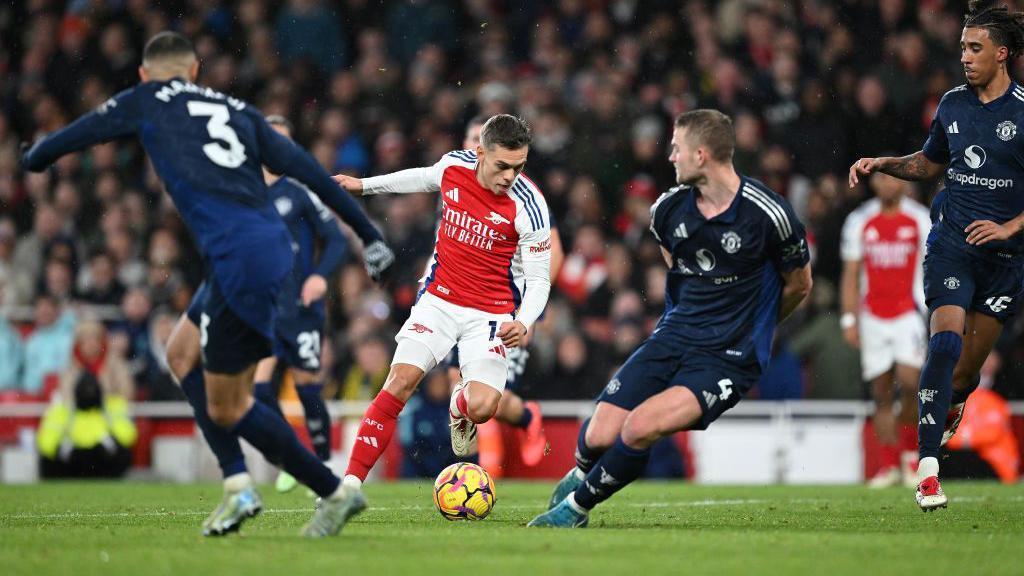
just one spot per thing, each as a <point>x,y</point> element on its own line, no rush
<point>1005,28</point>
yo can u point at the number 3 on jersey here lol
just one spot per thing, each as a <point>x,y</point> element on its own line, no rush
<point>234,155</point>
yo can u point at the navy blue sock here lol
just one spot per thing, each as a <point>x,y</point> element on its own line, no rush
<point>274,437</point>
<point>264,392</point>
<point>524,420</point>
<point>318,421</point>
<point>224,444</point>
<point>585,455</point>
<point>935,390</point>
<point>619,466</point>
<point>961,395</point>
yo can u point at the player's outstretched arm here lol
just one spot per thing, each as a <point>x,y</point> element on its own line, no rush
<point>115,118</point>
<point>796,285</point>
<point>283,156</point>
<point>410,181</point>
<point>914,167</point>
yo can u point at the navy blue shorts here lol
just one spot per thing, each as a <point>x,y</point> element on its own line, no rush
<point>516,358</point>
<point>298,339</point>
<point>228,344</point>
<point>660,363</point>
<point>954,276</point>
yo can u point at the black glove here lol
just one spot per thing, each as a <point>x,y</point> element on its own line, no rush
<point>378,258</point>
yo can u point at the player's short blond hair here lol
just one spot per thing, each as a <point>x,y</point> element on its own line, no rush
<point>710,129</point>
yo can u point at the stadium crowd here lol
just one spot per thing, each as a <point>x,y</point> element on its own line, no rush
<point>376,86</point>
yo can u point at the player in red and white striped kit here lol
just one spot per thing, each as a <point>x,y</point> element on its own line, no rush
<point>489,282</point>
<point>883,245</point>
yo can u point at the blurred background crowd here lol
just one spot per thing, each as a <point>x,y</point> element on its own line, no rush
<point>376,86</point>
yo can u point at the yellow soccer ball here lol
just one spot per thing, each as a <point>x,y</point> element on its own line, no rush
<point>464,491</point>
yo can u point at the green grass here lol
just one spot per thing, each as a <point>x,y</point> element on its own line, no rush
<point>650,528</point>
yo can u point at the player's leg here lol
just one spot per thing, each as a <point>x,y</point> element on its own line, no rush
<point>697,395</point>
<point>644,374</point>
<point>676,408</point>
<point>980,338</point>
<point>908,345</point>
<point>877,358</point>
<point>934,391</point>
<point>949,286</point>
<point>263,387</point>
<point>484,367</point>
<point>423,341</point>
<point>309,386</point>
<point>907,378</point>
<point>240,499</point>
<point>525,417</point>
<point>884,423</point>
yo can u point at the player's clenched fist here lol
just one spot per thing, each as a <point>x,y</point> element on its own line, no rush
<point>863,167</point>
<point>353,185</point>
<point>378,258</point>
<point>512,334</point>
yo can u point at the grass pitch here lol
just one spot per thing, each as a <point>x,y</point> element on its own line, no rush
<point>649,528</point>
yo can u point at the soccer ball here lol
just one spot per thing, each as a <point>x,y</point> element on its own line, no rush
<point>464,491</point>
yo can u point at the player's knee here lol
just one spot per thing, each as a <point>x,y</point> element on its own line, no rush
<point>482,406</point>
<point>639,432</point>
<point>599,436</point>
<point>946,343</point>
<point>179,362</point>
<point>401,383</point>
<point>223,414</point>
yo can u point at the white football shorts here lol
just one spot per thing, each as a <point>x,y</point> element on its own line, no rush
<point>885,342</point>
<point>435,326</point>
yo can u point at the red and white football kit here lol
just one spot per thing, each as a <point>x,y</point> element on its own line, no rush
<point>890,248</point>
<point>491,263</point>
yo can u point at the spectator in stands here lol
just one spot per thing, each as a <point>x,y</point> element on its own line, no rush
<point>100,285</point>
<point>48,347</point>
<point>89,435</point>
<point>91,353</point>
<point>11,354</point>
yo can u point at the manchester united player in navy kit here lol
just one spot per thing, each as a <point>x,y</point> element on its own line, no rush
<point>738,264</point>
<point>209,150</point>
<point>973,274</point>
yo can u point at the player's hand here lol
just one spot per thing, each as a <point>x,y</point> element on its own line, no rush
<point>512,334</point>
<point>378,258</point>
<point>354,186</point>
<point>983,231</point>
<point>313,289</point>
<point>863,167</point>
<point>852,336</point>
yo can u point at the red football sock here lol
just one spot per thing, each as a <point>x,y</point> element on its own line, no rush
<point>908,438</point>
<point>888,456</point>
<point>374,433</point>
<point>460,404</point>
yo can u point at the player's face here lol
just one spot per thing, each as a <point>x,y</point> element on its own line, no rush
<point>981,58</point>
<point>499,167</point>
<point>472,139</point>
<point>684,157</point>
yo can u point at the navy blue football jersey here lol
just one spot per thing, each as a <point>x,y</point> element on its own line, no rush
<point>208,149</point>
<point>985,157</point>
<point>724,286</point>
<point>308,220</point>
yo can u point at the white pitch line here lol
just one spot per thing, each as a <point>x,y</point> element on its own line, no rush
<point>678,504</point>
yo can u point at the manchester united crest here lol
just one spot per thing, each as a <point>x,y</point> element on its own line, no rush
<point>731,242</point>
<point>1006,130</point>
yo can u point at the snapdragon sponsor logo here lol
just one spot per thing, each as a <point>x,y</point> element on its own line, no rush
<point>972,179</point>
